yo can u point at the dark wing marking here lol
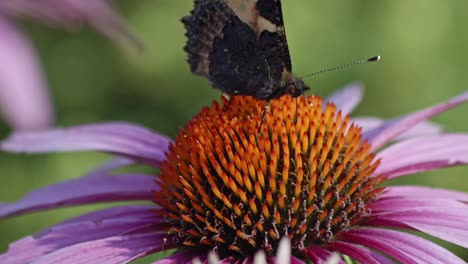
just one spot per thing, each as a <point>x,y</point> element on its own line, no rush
<point>271,10</point>
<point>264,15</point>
<point>205,23</point>
<point>240,51</point>
<point>239,64</point>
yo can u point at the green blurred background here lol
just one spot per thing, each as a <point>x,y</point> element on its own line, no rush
<point>423,45</point>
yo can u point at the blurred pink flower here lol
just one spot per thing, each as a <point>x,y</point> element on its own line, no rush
<point>24,100</point>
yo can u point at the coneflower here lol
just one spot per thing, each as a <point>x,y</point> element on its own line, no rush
<point>312,176</point>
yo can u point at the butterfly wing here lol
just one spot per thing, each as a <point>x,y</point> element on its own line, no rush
<point>264,16</point>
<point>239,45</point>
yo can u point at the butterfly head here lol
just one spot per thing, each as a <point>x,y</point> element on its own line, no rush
<point>271,89</point>
<point>296,87</point>
<point>289,85</point>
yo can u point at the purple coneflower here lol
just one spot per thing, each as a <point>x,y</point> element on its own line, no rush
<point>311,175</point>
<point>23,99</point>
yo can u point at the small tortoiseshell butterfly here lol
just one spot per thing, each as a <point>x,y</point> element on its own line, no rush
<point>241,47</point>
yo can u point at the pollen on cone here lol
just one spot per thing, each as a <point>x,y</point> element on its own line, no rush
<point>228,185</point>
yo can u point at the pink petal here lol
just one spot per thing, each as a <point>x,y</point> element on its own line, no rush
<point>85,190</point>
<point>347,98</point>
<point>456,234</point>
<point>368,123</point>
<point>319,255</point>
<point>428,216</point>
<point>295,260</point>
<point>124,139</point>
<point>184,257</point>
<point>363,255</point>
<point>112,250</point>
<point>423,154</point>
<point>444,220</point>
<point>423,192</point>
<point>381,246</point>
<point>403,247</point>
<point>228,260</point>
<point>393,128</point>
<point>24,100</point>
<point>422,129</point>
<point>74,13</point>
<point>399,204</point>
<point>97,225</point>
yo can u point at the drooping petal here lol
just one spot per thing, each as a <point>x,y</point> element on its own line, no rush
<point>403,247</point>
<point>398,204</point>
<point>228,260</point>
<point>24,100</point>
<point>368,123</point>
<point>183,257</point>
<point>96,225</point>
<point>361,254</point>
<point>423,192</point>
<point>73,13</point>
<point>85,190</point>
<point>319,255</point>
<point>450,231</point>
<point>425,128</point>
<point>347,98</point>
<point>423,154</point>
<point>395,127</point>
<point>295,260</point>
<point>443,219</point>
<point>124,139</point>
<point>111,250</point>
<point>381,246</point>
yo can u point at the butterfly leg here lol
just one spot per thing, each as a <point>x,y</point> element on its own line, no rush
<point>305,97</point>
<point>226,106</point>
<point>265,109</point>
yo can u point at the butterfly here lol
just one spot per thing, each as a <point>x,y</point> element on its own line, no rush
<point>241,47</point>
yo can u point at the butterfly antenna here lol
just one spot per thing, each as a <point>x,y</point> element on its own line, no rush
<point>376,58</point>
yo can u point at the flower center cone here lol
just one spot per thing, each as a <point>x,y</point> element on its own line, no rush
<point>235,183</point>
